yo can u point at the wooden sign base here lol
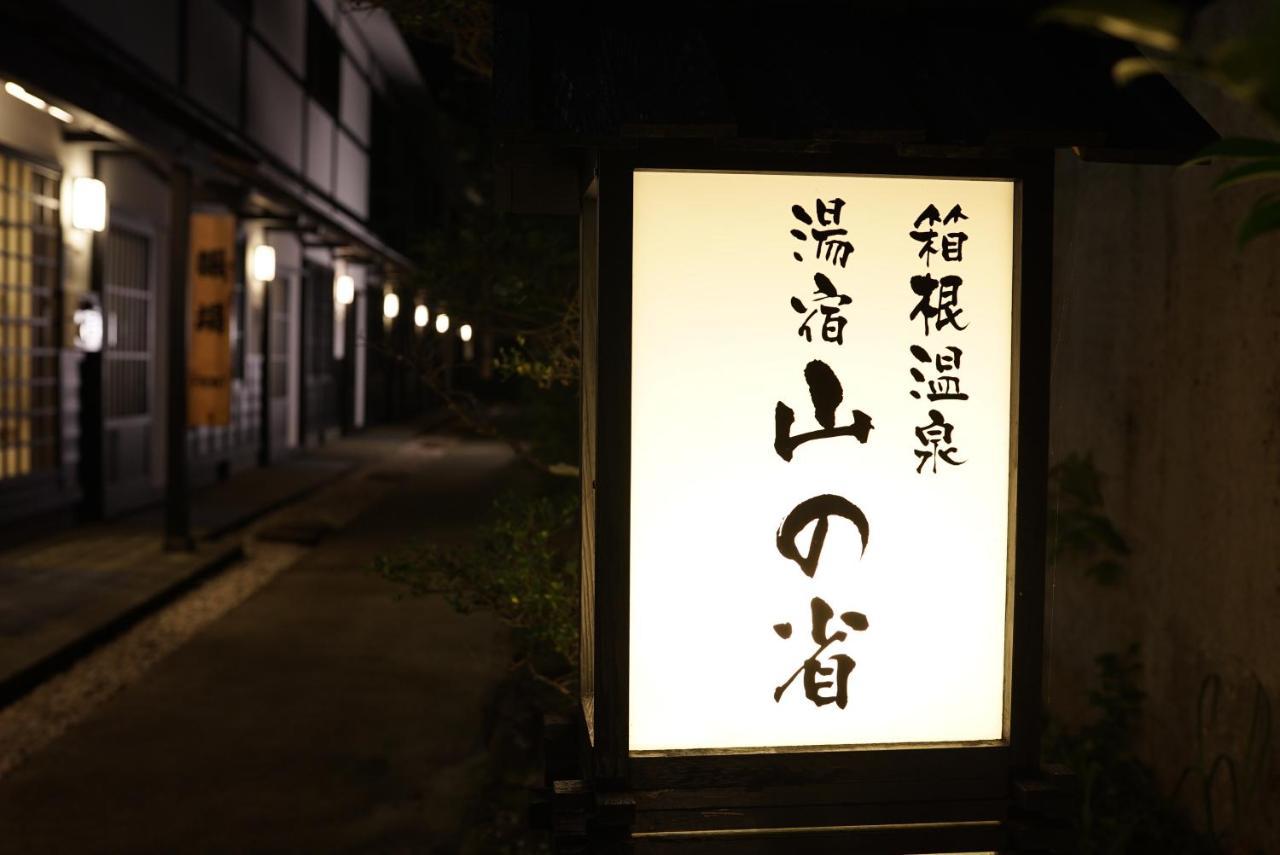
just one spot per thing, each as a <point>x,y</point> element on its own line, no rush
<point>583,817</point>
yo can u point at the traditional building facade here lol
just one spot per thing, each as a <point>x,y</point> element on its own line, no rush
<point>118,123</point>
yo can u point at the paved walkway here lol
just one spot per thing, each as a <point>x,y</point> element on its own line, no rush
<point>224,507</point>
<point>321,715</point>
<point>62,594</point>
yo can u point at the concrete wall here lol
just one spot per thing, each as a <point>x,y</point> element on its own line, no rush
<point>1166,366</point>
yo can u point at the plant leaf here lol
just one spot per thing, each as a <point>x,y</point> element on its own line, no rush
<point>1246,67</point>
<point>564,470</point>
<point>1263,217</point>
<point>1258,169</point>
<point>1106,572</point>
<point>1145,22</point>
<point>1236,147</point>
<point>1131,68</point>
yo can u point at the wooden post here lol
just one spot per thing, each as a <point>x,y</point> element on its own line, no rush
<point>93,425</point>
<point>264,420</point>
<point>177,508</point>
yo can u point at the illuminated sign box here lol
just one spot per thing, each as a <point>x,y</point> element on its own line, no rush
<point>717,348</point>
<point>814,459</point>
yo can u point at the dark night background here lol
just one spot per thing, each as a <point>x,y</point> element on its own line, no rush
<point>203,640</point>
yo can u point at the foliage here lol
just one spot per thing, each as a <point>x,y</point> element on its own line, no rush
<point>1122,809</point>
<point>465,26</point>
<point>1079,527</point>
<point>523,566</point>
<point>1246,68</point>
<point>516,277</point>
<point>498,823</point>
<point>521,272</point>
<point>1213,775</point>
<point>1121,806</point>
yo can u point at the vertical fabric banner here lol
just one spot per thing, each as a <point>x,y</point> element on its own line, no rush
<point>212,272</point>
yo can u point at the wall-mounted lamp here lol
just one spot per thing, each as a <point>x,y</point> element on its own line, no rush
<point>421,316</point>
<point>464,332</point>
<point>390,305</point>
<point>88,322</point>
<point>344,290</point>
<point>442,323</point>
<point>88,204</point>
<point>264,263</point>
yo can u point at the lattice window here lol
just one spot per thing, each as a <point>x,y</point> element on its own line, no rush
<point>127,296</point>
<point>30,244</point>
<point>319,363</point>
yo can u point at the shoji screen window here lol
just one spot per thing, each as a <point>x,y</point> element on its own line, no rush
<point>30,239</point>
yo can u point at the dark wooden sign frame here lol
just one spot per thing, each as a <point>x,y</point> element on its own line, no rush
<point>963,789</point>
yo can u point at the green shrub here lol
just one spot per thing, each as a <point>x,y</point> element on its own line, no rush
<point>523,565</point>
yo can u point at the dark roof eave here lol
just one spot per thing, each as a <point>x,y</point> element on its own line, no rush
<point>734,80</point>
<point>156,120</point>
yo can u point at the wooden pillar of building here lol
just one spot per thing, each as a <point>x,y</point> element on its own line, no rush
<point>177,504</point>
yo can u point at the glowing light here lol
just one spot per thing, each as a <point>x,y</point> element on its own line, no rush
<point>390,305</point>
<point>344,290</point>
<point>264,263</point>
<point>421,316</point>
<point>24,96</point>
<point>88,321</point>
<point>442,323</point>
<point>720,616</point>
<point>88,204</point>
<point>17,91</point>
<point>464,332</point>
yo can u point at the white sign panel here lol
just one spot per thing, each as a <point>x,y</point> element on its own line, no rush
<point>820,461</point>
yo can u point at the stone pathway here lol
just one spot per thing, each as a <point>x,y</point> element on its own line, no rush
<point>62,595</point>
<point>292,704</point>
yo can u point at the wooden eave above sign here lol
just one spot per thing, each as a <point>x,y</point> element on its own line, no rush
<point>973,75</point>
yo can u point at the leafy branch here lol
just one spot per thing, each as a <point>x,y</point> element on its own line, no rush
<point>1244,781</point>
<point>1079,526</point>
<point>1246,69</point>
<point>1122,807</point>
<point>465,26</point>
<point>523,567</point>
<point>517,277</point>
<point>466,410</point>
